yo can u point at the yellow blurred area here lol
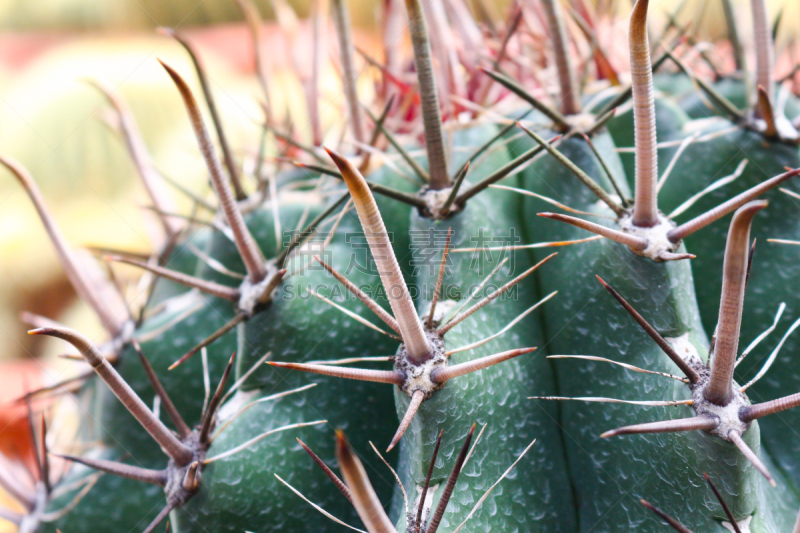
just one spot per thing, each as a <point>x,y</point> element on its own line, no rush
<point>53,122</point>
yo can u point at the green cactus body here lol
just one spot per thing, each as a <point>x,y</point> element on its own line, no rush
<point>588,322</point>
<point>298,327</point>
<point>774,268</point>
<point>752,501</point>
<point>779,513</point>
<point>640,464</point>
<point>114,500</point>
<point>183,321</point>
<point>225,473</point>
<point>241,492</point>
<point>736,91</point>
<point>125,438</point>
<point>283,327</point>
<point>494,396</point>
<point>673,84</point>
<point>670,121</point>
<point>185,382</point>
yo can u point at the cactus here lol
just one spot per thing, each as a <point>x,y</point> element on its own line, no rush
<point>528,347</point>
<point>769,141</point>
<point>358,490</point>
<point>730,524</point>
<point>664,291</point>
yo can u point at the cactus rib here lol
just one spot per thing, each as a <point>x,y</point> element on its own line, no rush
<point>729,416</point>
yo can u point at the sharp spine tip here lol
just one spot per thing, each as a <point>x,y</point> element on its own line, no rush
<point>245,243</point>
<point>190,481</point>
<point>442,375</point>
<point>416,400</point>
<point>413,331</point>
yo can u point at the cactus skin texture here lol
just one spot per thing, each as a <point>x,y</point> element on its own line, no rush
<point>670,122</point>
<point>297,327</point>
<point>580,324</point>
<point>725,518</point>
<point>775,266</point>
<point>123,437</point>
<point>138,507</point>
<point>232,506</point>
<point>284,328</point>
<point>664,294</point>
<point>494,396</point>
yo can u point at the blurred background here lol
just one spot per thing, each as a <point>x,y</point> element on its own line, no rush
<point>61,128</point>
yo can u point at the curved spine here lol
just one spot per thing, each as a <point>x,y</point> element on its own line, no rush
<point>701,221</point>
<point>76,275</point>
<point>248,249</point>
<point>631,241</point>
<point>737,250</point>
<point>205,86</point>
<point>174,448</point>
<point>645,206</point>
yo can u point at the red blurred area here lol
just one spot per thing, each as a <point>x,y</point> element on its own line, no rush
<point>16,443</point>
